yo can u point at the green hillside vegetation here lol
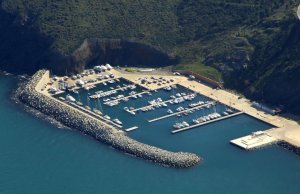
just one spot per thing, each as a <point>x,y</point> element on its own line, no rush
<point>253,45</point>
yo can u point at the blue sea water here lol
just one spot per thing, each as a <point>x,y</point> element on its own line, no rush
<point>37,157</point>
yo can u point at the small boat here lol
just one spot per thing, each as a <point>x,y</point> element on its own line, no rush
<point>79,103</point>
<point>62,98</point>
<point>178,125</point>
<point>196,121</point>
<point>168,88</point>
<point>229,111</point>
<point>170,111</point>
<point>133,113</point>
<point>118,121</point>
<point>107,117</point>
<point>75,91</point>
<point>70,98</point>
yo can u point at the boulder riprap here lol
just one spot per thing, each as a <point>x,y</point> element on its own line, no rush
<point>76,119</point>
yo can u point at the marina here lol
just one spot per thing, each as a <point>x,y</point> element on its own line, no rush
<point>206,142</point>
<point>173,99</point>
<point>181,102</point>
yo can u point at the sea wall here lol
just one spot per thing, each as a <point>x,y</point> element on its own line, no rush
<point>75,119</point>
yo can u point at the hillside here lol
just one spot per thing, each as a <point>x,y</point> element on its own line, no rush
<point>252,45</point>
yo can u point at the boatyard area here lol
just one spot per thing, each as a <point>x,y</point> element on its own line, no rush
<point>184,102</point>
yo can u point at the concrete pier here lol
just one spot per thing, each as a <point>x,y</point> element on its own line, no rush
<point>255,140</point>
<point>131,129</point>
<point>207,122</point>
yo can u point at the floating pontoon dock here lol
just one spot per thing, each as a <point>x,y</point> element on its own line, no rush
<point>117,89</point>
<point>158,103</point>
<point>177,113</point>
<point>119,99</point>
<point>207,122</point>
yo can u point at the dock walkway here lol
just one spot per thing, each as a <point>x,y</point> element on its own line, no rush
<point>207,122</point>
<point>131,129</point>
<point>129,96</point>
<point>117,89</point>
<point>159,103</point>
<point>177,113</point>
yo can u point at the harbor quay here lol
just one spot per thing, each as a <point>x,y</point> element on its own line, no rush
<point>283,130</point>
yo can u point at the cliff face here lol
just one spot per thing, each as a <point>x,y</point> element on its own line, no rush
<point>24,49</point>
<point>118,53</point>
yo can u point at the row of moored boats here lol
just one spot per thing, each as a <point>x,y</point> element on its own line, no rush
<point>203,119</point>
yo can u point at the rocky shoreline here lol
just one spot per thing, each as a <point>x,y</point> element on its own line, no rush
<point>118,140</point>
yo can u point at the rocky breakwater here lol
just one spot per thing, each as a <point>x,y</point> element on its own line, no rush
<point>75,119</point>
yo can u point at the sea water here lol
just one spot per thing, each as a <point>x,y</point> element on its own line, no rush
<point>38,157</point>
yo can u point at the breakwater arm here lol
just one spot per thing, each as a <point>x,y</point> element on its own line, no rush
<point>76,119</point>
